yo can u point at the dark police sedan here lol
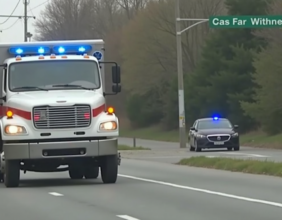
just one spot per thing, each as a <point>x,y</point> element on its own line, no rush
<point>213,133</point>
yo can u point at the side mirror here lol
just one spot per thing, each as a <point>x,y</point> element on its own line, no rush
<point>192,129</point>
<point>235,126</point>
<point>116,74</point>
<point>116,88</point>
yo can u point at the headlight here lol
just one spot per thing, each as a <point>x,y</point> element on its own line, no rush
<point>108,126</point>
<point>201,136</point>
<point>15,129</point>
<point>235,135</point>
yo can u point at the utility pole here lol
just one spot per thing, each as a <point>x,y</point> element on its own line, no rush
<point>181,100</point>
<point>25,19</point>
<point>181,107</point>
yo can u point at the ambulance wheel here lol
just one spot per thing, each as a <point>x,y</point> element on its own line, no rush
<point>75,172</point>
<point>109,169</point>
<point>91,172</point>
<point>12,173</point>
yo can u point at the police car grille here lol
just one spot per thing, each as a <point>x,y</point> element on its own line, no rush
<point>50,117</point>
<point>222,138</point>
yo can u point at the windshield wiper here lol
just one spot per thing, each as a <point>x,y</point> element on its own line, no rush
<point>30,88</point>
<point>71,86</point>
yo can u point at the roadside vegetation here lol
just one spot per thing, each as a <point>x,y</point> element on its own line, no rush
<point>125,147</point>
<point>235,165</point>
<point>235,73</point>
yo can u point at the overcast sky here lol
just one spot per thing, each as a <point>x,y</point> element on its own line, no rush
<point>15,32</point>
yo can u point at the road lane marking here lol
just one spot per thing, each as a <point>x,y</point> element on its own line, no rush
<point>127,217</point>
<point>242,198</point>
<point>55,194</point>
<point>243,154</point>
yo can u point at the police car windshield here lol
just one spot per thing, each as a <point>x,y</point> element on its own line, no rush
<point>214,124</point>
<point>35,75</point>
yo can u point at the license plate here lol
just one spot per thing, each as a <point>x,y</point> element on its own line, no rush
<point>218,143</point>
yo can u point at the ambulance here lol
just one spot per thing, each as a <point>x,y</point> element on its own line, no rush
<point>54,115</point>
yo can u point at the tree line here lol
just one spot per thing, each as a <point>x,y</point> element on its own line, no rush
<point>231,72</point>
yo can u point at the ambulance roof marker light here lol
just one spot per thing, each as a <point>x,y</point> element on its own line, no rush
<point>85,55</point>
<point>18,58</point>
<point>53,56</point>
<point>64,56</point>
<point>41,57</point>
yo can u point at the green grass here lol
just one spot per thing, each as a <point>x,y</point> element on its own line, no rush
<point>125,147</point>
<point>255,139</point>
<point>235,165</point>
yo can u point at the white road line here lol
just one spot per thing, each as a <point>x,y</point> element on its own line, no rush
<point>243,154</point>
<point>164,157</point>
<point>265,202</point>
<point>55,194</point>
<point>127,217</point>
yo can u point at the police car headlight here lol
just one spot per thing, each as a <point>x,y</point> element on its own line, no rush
<point>108,126</point>
<point>201,136</point>
<point>235,135</point>
<point>15,129</point>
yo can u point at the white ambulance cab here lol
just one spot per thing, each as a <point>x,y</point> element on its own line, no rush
<point>53,111</point>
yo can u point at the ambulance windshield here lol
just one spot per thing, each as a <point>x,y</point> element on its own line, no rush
<point>54,75</point>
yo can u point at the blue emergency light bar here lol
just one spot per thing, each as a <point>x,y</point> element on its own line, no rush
<point>43,50</point>
<point>72,49</point>
<point>29,50</point>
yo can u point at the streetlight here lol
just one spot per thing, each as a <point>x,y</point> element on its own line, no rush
<point>181,102</point>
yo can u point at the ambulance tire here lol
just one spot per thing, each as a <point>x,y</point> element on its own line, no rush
<point>109,169</point>
<point>12,173</point>
<point>91,172</point>
<point>75,172</point>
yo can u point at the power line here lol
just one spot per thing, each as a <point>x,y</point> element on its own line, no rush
<point>11,13</point>
<point>38,6</point>
<point>12,25</point>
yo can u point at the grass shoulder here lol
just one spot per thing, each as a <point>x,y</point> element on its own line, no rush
<point>125,147</point>
<point>255,139</point>
<point>235,165</point>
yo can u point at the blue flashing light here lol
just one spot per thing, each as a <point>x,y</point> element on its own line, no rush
<point>19,51</point>
<point>81,49</point>
<point>72,49</point>
<point>28,50</point>
<point>98,55</point>
<point>215,118</point>
<point>61,50</point>
<point>41,50</point>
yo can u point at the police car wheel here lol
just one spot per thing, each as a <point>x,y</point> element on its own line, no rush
<point>197,148</point>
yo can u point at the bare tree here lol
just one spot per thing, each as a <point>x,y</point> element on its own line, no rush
<point>131,7</point>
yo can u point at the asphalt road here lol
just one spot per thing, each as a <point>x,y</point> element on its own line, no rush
<point>146,190</point>
<point>171,153</point>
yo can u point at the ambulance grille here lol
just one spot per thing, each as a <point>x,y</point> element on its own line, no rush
<point>58,117</point>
